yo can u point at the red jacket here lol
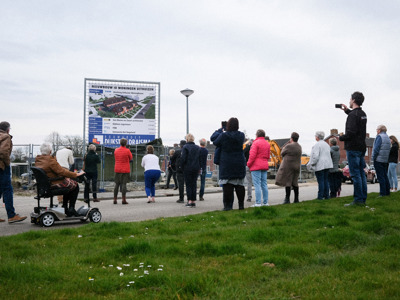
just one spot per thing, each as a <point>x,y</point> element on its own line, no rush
<point>123,156</point>
<point>259,155</point>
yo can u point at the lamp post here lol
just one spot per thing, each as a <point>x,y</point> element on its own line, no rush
<point>187,93</point>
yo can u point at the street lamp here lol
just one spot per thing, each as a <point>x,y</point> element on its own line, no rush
<point>187,93</point>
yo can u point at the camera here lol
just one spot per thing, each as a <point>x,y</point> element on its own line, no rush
<point>338,105</point>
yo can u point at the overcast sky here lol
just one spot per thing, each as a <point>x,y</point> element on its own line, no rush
<point>276,65</point>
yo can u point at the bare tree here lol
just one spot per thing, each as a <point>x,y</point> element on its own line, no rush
<point>76,142</point>
<point>19,155</point>
<point>55,139</point>
<point>58,141</point>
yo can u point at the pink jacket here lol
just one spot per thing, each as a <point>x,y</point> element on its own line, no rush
<point>259,155</point>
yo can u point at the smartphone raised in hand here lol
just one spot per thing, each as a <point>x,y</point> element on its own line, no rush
<point>223,124</point>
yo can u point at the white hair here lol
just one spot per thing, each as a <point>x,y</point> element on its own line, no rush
<point>92,147</point>
<point>320,135</point>
<point>45,149</point>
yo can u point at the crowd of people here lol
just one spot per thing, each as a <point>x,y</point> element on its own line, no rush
<point>241,162</point>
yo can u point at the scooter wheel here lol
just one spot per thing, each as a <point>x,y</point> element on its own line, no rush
<point>95,216</point>
<point>47,219</point>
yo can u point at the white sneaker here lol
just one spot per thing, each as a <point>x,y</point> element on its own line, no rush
<point>266,204</point>
<point>256,205</point>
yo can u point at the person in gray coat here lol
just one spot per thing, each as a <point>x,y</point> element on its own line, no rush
<point>380,157</point>
<point>334,175</point>
<point>289,170</point>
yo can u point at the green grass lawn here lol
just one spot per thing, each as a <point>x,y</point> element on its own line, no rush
<point>311,250</point>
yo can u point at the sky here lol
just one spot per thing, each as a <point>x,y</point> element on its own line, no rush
<point>280,66</point>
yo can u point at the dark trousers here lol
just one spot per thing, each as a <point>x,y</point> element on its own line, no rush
<point>335,182</point>
<point>191,185</point>
<point>381,172</point>
<point>296,194</point>
<point>91,178</point>
<point>71,197</point>
<point>202,183</point>
<point>173,175</point>
<point>181,185</point>
<point>228,195</point>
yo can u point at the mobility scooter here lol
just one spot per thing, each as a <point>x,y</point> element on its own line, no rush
<point>47,215</point>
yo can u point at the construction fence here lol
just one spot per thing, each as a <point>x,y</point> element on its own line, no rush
<point>21,166</point>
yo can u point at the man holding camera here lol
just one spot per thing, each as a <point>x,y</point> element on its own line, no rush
<point>354,143</point>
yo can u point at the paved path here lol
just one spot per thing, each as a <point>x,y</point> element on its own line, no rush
<point>165,206</point>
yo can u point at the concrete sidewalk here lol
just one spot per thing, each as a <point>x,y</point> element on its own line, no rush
<point>162,192</point>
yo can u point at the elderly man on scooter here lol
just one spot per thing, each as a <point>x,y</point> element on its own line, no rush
<point>53,170</point>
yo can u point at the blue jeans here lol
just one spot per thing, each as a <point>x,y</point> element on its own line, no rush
<point>249,183</point>
<point>323,183</point>
<point>260,185</point>
<point>7,191</point>
<point>150,179</point>
<point>357,174</point>
<point>381,172</point>
<point>392,175</point>
<point>202,183</point>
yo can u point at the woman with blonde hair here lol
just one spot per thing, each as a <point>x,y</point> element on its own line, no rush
<point>152,173</point>
<point>190,163</point>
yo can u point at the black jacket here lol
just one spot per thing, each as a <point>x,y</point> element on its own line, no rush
<point>232,161</point>
<point>190,159</point>
<point>176,158</point>
<point>91,161</point>
<point>356,130</point>
<point>394,153</point>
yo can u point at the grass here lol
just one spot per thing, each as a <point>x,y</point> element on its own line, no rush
<point>311,250</point>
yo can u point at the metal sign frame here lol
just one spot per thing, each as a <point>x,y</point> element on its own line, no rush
<point>129,85</point>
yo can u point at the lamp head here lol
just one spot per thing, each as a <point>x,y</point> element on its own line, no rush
<point>187,92</point>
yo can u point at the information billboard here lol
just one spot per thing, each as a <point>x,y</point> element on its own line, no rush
<point>116,109</point>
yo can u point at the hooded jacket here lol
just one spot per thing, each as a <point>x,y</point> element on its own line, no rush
<point>6,146</point>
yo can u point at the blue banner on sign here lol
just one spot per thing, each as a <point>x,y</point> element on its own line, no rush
<point>95,91</point>
<point>112,140</point>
